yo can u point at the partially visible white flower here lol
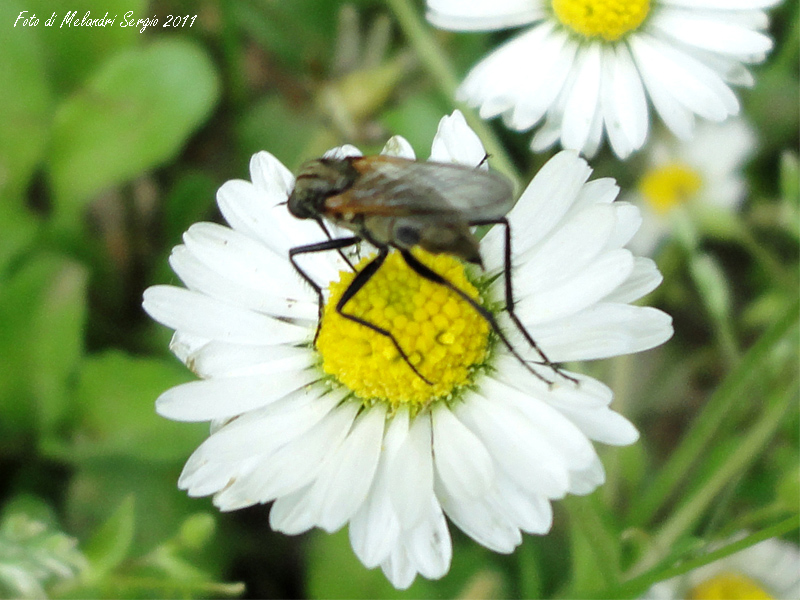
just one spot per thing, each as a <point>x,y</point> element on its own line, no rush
<point>589,67</point>
<point>769,569</point>
<point>343,431</point>
<point>706,170</point>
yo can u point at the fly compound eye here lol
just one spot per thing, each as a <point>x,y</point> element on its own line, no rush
<point>299,204</point>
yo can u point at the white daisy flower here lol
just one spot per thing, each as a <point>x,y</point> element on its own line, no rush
<point>703,172</point>
<point>343,431</point>
<point>769,569</point>
<point>586,67</point>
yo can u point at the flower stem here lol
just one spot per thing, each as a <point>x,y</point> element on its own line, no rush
<point>441,72</point>
<point>711,284</point>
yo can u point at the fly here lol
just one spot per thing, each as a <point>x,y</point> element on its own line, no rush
<point>397,203</point>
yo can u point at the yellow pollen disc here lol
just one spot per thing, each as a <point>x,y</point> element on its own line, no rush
<point>728,586</point>
<point>668,186</point>
<point>442,335</point>
<point>608,19</point>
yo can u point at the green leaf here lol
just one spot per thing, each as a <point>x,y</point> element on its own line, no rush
<point>111,543</point>
<point>18,229</point>
<point>25,102</point>
<point>74,52</point>
<point>134,114</point>
<point>190,200</point>
<point>595,545</point>
<point>42,316</point>
<point>282,130</point>
<point>115,396</point>
<point>416,118</point>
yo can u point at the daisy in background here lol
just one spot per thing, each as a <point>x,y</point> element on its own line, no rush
<point>343,431</point>
<point>769,569</point>
<point>704,173</point>
<point>589,67</point>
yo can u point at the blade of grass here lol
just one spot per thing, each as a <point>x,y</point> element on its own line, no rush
<point>710,418</point>
<point>686,516</point>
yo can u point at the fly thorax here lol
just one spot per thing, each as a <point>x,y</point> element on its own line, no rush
<point>317,181</point>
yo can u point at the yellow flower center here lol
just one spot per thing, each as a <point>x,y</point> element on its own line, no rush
<point>728,586</point>
<point>668,186</point>
<point>444,338</point>
<point>608,19</point>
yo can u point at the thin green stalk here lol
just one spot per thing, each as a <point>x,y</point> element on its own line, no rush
<point>710,283</point>
<point>635,587</point>
<point>622,376</point>
<point>434,60</point>
<point>766,260</point>
<point>710,418</point>
<point>687,515</point>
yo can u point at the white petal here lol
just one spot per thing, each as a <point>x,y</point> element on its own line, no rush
<point>531,513</point>
<point>536,92</point>
<point>428,543</point>
<point>481,522</point>
<point>220,359</point>
<point>452,441</point>
<point>546,199</point>
<point>623,101</point>
<point>399,146</point>
<point>570,249</point>
<point>340,152</point>
<point>411,471</point>
<point>494,83</point>
<point>222,397</point>
<point>582,102</point>
<point>549,425</point>
<point>375,528</point>
<point>200,315</point>
<point>199,277</point>
<point>185,344</point>
<point>296,463</point>
<point>481,16</point>
<point>602,331</point>
<point>644,278</point>
<point>674,114</point>
<point>711,33</point>
<point>590,285</point>
<point>587,480</point>
<point>628,220</point>
<point>398,568</point>
<point>301,510</point>
<point>253,435</point>
<point>455,142</point>
<point>347,477</point>
<point>526,459</point>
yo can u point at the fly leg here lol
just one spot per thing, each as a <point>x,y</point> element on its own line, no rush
<point>339,250</point>
<point>431,275</point>
<point>509,293</point>
<point>336,244</point>
<point>359,281</point>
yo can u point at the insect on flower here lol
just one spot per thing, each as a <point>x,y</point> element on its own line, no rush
<point>397,203</point>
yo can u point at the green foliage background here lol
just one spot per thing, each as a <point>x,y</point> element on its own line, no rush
<point>114,141</point>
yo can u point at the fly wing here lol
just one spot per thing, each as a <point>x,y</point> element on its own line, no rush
<point>398,187</point>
